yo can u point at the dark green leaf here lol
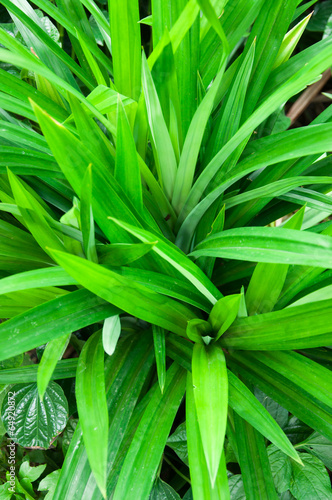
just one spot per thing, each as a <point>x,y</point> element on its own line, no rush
<point>311,481</point>
<point>163,491</point>
<point>36,422</point>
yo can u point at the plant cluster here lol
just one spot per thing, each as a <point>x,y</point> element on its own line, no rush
<point>165,251</point>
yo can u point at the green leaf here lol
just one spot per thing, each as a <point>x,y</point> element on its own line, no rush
<point>306,373</point>
<point>236,487</point>
<point>150,438</point>
<point>178,442</point>
<point>276,411</point>
<point>46,49</point>
<point>25,161</point>
<point>240,397</point>
<point>311,481</point>
<point>111,333</point>
<point>121,254</point>
<point>320,17</point>
<point>267,244</point>
<point>192,144</point>
<point>30,473</point>
<point>125,374</point>
<point>212,17</point>
<point>146,20</point>
<point>230,117</point>
<point>64,369</point>
<point>92,63</point>
<point>163,149</point>
<point>268,279</point>
<point>26,476</point>
<point>51,276</point>
<point>245,404</point>
<point>177,259</point>
<point>269,29</point>
<point>199,330</point>
<point>319,446</point>
<point>92,407</point>
<point>166,285</point>
<point>209,378</point>
<point>126,46</point>
<point>127,171</point>
<point>33,215</point>
<point>37,423</point>
<point>160,354</point>
<point>49,483</point>
<point>52,353</point>
<point>23,136</point>
<point>224,313</point>
<point>126,294</point>
<point>163,491</point>
<point>14,362</point>
<point>290,42</point>
<point>254,463</point>
<point>199,473</point>
<point>52,320</point>
<point>86,218</point>
<point>105,99</point>
<point>291,87</point>
<point>298,327</point>
<point>281,468</point>
<point>288,394</point>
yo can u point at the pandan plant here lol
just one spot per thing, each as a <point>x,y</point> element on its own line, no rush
<point>167,230</point>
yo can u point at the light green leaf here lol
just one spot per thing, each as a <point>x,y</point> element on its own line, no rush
<point>31,473</point>
<point>49,483</point>
<point>52,353</point>
<point>92,407</point>
<point>290,42</point>
<point>111,333</point>
<point>125,374</point>
<point>192,144</point>
<point>209,378</point>
<point>126,46</point>
<point>199,473</point>
<point>199,330</point>
<point>127,171</point>
<point>288,394</point>
<point>121,254</point>
<point>241,399</point>
<point>224,313</point>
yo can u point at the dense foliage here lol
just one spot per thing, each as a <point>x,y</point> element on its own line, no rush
<point>165,251</point>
